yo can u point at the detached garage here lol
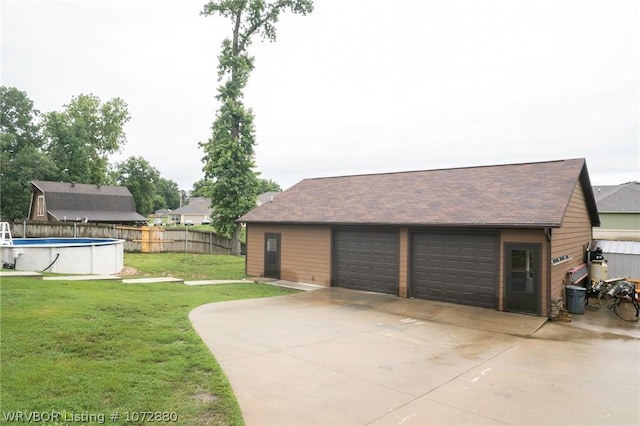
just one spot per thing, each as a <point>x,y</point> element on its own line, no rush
<point>500,237</point>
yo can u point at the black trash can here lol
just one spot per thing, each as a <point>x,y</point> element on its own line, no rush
<point>575,299</point>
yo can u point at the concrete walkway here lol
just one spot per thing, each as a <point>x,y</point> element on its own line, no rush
<point>83,278</point>
<point>277,283</point>
<point>342,357</point>
<point>147,280</point>
<point>153,280</point>
<point>26,274</point>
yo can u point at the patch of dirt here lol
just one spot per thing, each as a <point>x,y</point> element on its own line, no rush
<point>127,271</point>
<point>205,397</point>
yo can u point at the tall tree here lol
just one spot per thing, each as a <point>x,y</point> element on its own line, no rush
<point>229,153</point>
<point>21,157</point>
<point>268,185</point>
<point>202,188</point>
<point>80,138</point>
<point>169,192</point>
<point>141,179</point>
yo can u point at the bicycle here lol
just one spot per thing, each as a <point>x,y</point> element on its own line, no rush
<point>624,299</point>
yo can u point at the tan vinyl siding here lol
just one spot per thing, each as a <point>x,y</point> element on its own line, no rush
<point>527,236</point>
<point>570,239</point>
<point>305,252</point>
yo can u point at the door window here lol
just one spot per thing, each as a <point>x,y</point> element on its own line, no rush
<point>522,270</point>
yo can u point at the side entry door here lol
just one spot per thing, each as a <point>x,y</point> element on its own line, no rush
<point>522,278</point>
<point>272,255</point>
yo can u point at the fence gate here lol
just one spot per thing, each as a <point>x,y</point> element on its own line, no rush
<point>151,240</point>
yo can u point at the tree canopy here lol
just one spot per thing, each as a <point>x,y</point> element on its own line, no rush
<point>229,153</point>
<point>72,145</point>
<point>80,138</point>
<point>142,180</point>
<point>268,185</point>
<point>21,157</point>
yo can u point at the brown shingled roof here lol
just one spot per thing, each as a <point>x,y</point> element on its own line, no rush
<point>531,195</point>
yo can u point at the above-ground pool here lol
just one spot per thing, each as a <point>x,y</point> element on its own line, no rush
<point>65,255</point>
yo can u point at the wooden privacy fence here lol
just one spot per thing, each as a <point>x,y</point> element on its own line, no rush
<point>143,239</point>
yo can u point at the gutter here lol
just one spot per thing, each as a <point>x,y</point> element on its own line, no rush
<point>547,232</point>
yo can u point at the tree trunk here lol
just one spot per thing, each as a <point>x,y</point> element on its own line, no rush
<point>236,248</point>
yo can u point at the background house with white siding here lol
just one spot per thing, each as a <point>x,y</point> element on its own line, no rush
<point>197,210</point>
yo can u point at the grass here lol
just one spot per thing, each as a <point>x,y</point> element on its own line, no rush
<point>187,266</point>
<point>105,347</point>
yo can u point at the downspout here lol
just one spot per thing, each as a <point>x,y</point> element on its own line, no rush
<point>246,249</point>
<point>547,232</point>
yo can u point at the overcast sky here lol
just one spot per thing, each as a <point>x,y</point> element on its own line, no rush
<point>358,86</point>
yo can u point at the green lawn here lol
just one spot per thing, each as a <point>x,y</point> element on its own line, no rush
<point>186,265</point>
<point>97,348</point>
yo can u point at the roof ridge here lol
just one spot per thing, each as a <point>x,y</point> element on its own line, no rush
<point>526,194</point>
<point>445,169</point>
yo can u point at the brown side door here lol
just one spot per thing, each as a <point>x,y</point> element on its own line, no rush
<point>272,255</point>
<point>522,278</point>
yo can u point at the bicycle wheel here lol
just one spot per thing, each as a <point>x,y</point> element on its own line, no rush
<point>627,310</point>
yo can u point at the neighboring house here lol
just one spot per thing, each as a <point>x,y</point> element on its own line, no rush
<point>198,209</point>
<point>502,237</point>
<point>76,202</point>
<point>162,213</point>
<point>267,197</point>
<point>619,208</point>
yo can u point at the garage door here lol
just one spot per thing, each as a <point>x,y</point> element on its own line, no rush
<point>455,267</point>
<point>366,260</point>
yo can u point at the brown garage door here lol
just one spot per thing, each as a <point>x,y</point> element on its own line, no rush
<point>455,267</point>
<point>366,260</point>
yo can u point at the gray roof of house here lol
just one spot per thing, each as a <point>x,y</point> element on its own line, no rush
<point>515,195</point>
<point>623,198</point>
<point>267,196</point>
<point>95,203</point>
<point>196,206</point>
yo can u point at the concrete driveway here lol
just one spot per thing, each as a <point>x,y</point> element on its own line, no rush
<point>342,357</point>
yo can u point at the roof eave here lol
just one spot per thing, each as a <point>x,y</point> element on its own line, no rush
<point>589,196</point>
<point>407,225</point>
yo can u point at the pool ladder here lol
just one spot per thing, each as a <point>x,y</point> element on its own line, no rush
<point>5,234</point>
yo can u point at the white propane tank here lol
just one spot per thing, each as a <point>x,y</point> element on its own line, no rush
<point>598,271</point>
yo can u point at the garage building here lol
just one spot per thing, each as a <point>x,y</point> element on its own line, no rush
<point>500,237</point>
